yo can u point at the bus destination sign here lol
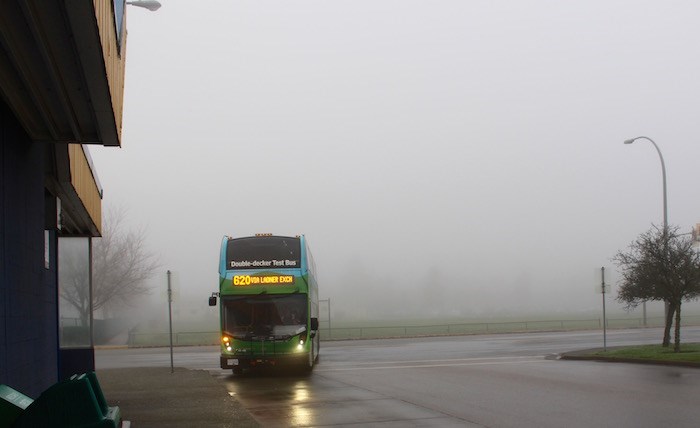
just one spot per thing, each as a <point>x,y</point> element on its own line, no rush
<point>263,280</point>
<point>286,263</point>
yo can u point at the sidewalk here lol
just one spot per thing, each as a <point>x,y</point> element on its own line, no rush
<point>154,397</point>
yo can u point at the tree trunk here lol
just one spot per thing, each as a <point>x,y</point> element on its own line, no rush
<point>84,317</point>
<point>668,323</point>
<point>677,331</point>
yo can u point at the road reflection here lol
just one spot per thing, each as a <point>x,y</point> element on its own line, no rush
<point>301,413</point>
<point>273,398</point>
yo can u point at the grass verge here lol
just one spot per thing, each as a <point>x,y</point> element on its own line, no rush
<point>690,353</point>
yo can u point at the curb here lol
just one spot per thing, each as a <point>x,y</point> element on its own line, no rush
<point>587,355</point>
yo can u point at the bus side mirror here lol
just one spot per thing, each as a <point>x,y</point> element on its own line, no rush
<point>212,301</point>
<point>314,323</point>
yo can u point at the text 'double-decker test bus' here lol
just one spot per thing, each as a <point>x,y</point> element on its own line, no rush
<point>269,302</point>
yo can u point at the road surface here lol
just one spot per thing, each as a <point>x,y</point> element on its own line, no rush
<point>504,380</point>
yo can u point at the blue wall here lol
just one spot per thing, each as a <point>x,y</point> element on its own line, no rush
<point>28,291</point>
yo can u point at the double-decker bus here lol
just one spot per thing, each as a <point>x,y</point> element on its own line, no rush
<point>269,302</point>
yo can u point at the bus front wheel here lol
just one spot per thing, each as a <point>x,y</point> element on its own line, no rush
<point>308,365</point>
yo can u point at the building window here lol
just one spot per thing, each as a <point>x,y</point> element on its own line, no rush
<point>75,292</point>
<point>47,249</point>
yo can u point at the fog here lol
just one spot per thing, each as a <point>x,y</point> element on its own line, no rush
<point>444,158</point>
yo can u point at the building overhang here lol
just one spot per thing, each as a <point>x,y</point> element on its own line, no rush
<point>62,75</point>
<point>62,69</point>
<point>74,183</point>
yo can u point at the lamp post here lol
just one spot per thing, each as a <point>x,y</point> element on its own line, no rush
<point>663,175</point>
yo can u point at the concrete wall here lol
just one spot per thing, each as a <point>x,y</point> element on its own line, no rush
<point>28,290</point>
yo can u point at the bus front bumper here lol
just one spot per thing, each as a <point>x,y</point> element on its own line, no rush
<point>247,361</point>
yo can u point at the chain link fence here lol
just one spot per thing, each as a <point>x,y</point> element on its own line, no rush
<point>193,338</point>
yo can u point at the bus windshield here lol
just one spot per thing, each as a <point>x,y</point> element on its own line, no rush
<point>281,316</point>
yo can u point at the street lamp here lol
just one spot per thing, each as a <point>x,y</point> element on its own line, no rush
<point>663,174</point>
<point>151,5</point>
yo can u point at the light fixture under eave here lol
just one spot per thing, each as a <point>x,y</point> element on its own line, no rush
<point>151,5</point>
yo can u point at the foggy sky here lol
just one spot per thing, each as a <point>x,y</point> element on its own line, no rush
<point>454,157</point>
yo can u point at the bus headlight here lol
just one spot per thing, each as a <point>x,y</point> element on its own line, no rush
<point>226,341</point>
<point>300,346</point>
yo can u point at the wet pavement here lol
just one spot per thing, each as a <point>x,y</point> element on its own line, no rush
<point>283,401</point>
<point>495,380</point>
<point>155,397</point>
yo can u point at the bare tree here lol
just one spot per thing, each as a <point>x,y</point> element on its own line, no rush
<point>74,275</point>
<point>660,265</point>
<point>121,264</point>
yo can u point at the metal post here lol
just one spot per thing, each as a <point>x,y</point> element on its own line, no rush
<point>329,314</point>
<point>602,284</point>
<point>170,321</point>
<point>92,315</point>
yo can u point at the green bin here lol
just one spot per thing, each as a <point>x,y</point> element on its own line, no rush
<point>12,404</point>
<point>71,403</point>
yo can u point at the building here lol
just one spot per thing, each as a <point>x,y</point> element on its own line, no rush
<point>61,87</point>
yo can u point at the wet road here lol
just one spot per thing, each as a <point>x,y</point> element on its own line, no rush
<point>492,380</point>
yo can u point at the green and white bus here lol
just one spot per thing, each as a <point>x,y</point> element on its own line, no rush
<point>269,303</point>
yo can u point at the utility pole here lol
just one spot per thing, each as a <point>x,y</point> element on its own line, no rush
<point>170,322</point>
<point>602,288</point>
